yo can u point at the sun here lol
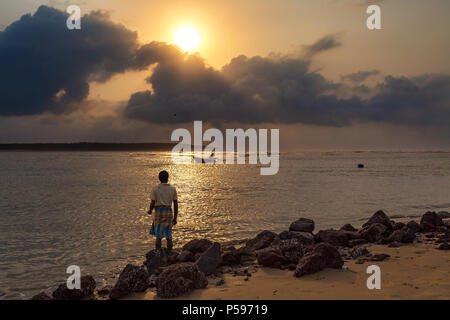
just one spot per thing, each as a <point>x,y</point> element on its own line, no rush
<point>187,38</point>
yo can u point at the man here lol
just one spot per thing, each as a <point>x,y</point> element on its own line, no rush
<point>162,197</point>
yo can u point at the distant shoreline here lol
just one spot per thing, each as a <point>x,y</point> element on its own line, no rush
<point>87,146</point>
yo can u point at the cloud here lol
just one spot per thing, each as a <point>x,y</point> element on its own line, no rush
<point>360,76</point>
<point>328,42</point>
<point>46,67</point>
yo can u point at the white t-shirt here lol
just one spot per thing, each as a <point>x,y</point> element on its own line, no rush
<point>164,194</point>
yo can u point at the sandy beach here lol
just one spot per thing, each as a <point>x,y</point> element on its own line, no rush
<point>415,271</point>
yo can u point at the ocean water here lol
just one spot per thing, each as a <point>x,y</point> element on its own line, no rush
<point>89,208</point>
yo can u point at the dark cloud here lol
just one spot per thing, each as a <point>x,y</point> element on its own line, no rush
<point>326,43</point>
<point>46,67</point>
<point>360,76</point>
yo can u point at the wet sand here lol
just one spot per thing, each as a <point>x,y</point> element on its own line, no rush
<point>414,271</point>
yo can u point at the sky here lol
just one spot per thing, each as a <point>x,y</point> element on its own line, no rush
<point>311,68</point>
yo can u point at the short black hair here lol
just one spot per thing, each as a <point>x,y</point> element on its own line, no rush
<point>163,176</point>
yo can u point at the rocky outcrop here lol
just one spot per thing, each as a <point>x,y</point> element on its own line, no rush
<point>155,259</point>
<point>430,221</point>
<point>302,225</point>
<point>231,256</point>
<point>379,217</point>
<point>414,226</point>
<point>261,241</point>
<point>305,238</point>
<point>271,257</point>
<point>185,256</point>
<point>87,287</point>
<point>178,279</point>
<point>323,256</point>
<point>336,237</point>
<point>403,236</point>
<point>374,232</point>
<point>197,246</point>
<point>210,259</point>
<point>132,279</point>
<point>348,227</point>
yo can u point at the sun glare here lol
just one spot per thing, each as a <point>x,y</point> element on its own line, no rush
<point>187,38</point>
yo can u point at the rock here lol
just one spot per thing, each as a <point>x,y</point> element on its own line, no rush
<point>443,238</point>
<point>322,256</point>
<point>155,259</point>
<point>398,225</point>
<point>444,214</point>
<point>395,244</point>
<point>292,266</point>
<point>219,283</point>
<point>302,225</point>
<point>41,296</point>
<point>414,226</point>
<point>402,236</point>
<point>444,246</point>
<point>430,221</point>
<point>87,284</point>
<point>305,238</point>
<point>132,279</point>
<point>379,257</point>
<point>197,246</point>
<point>104,291</point>
<point>291,249</point>
<point>231,257</point>
<point>336,237</point>
<point>348,227</point>
<point>185,256</point>
<point>358,252</point>
<point>379,217</point>
<point>271,257</point>
<point>210,259</point>
<point>374,232</point>
<point>261,241</point>
<point>356,242</point>
<point>178,279</point>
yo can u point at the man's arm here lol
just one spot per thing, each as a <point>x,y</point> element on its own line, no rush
<point>175,211</point>
<point>152,205</point>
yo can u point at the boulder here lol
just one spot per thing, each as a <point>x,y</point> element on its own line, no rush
<point>302,225</point>
<point>132,279</point>
<point>402,236</point>
<point>41,296</point>
<point>231,256</point>
<point>291,249</point>
<point>374,232</point>
<point>379,217</point>
<point>210,259</point>
<point>185,256</point>
<point>356,242</point>
<point>444,246</point>
<point>197,246</point>
<point>261,241</point>
<point>271,257</point>
<point>336,237</point>
<point>155,259</point>
<point>322,256</point>
<point>414,226</point>
<point>348,227</point>
<point>358,252</point>
<point>430,221</point>
<point>398,225</point>
<point>87,284</point>
<point>178,279</point>
<point>305,238</point>
<point>444,214</point>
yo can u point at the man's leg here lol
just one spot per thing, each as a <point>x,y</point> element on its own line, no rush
<point>158,244</point>
<point>169,244</point>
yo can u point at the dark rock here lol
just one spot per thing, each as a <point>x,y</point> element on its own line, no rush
<point>292,266</point>
<point>379,257</point>
<point>323,256</point>
<point>414,226</point>
<point>271,257</point>
<point>104,291</point>
<point>402,236</point>
<point>358,252</point>
<point>398,225</point>
<point>374,232</point>
<point>395,244</point>
<point>132,279</point>
<point>444,246</point>
<point>172,257</point>
<point>197,246</point>
<point>348,227</point>
<point>291,249</point>
<point>430,221</point>
<point>444,214</point>
<point>87,284</point>
<point>443,238</point>
<point>155,259</point>
<point>302,225</point>
<point>178,279</point>
<point>336,237</point>
<point>379,217</point>
<point>41,296</point>
<point>231,257</point>
<point>306,238</point>
<point>219,283</point>
<point>210,259</point>
<point>356,242</point>
<point>185,256</point>
<point>261,241</point>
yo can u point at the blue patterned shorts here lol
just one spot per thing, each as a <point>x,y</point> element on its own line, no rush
<point>162,223</point>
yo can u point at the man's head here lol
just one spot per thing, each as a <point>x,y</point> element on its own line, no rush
<point>163,176</point>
